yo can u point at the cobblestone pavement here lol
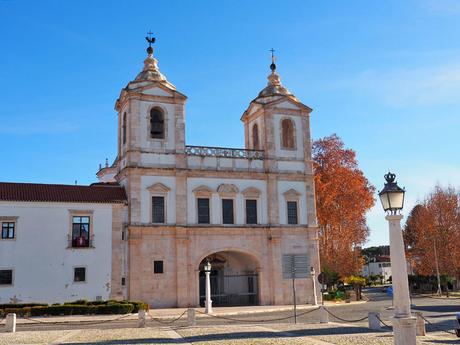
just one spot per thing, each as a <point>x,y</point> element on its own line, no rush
<point>320,334</point>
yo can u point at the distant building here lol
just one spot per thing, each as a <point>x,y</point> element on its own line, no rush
<point>164,208</point>
<point>378,266</point>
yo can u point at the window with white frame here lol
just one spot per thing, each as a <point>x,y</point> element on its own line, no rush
<point>8,229</point>
<point>81,231</point>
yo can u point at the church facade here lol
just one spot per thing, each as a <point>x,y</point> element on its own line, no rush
<point>170,207</point>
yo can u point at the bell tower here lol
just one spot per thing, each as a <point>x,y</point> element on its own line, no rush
<point>151,136</point>
<point>279,124</point>
<point>150,118</point>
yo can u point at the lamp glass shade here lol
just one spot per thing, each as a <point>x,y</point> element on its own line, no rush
<point>207,266</point>
<point>385,201</point>
<point>392,196</point>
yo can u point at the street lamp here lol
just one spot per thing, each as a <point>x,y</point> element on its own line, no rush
<point>392,198</point>
<point>208,302</point>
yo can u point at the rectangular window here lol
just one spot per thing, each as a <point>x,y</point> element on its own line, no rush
<point>292,212</point>
<point>227,211</point>
<point>80,231</point>
<point>8,230</point>
<point>123,281</point>
<point>251,211</point>
<point>79,274</point>
<point>203,211</point>
<point>157,266</point>
<point>158,209</point>
<point>6,277</point>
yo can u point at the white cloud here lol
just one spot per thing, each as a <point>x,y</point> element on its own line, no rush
<point>444,7</point>
<point>410,87</point>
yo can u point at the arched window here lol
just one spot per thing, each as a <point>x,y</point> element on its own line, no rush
<point>157,124</point>
<point>255,137</point>
<point>123,133</point>
<point>287,134</point>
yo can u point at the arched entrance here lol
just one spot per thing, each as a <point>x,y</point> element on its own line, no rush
<point>234,279</point>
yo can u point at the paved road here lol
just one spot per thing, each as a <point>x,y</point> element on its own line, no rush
<point>440,312</point>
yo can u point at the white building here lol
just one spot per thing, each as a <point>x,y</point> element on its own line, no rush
<point>57,241</point>
<point>163,208</point>
<point>378,266</point>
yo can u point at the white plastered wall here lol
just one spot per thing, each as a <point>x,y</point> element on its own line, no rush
<point>43,266</point>
<point>146,198</point>
<point>300,187</point>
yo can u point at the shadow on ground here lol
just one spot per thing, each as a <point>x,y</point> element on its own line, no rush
<point>236,336</point>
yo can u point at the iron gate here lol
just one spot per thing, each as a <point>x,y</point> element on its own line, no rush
<point>231,290</point>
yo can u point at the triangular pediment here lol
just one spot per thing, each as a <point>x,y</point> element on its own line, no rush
<point>157,91</point>
<point>253,108</point>
<point>288,102</point>
<point>251,192</point>
<point>288,105</point>
<point>292,193</point>
<point>158,188</point>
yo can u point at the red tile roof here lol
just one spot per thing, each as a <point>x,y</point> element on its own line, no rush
<point>96,193</point>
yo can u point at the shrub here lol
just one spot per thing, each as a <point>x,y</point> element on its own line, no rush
<point>18,311</point>
<point>115,308</point>
<point>72,308</point>
<point>138,305</point>
<point>38,311</point>
<point>22,305</point>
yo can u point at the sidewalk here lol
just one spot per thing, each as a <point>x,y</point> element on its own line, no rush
<point>173,313</point>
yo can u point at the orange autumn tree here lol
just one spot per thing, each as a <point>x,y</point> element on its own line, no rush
<point>343,196</point>
<point>432,233</point>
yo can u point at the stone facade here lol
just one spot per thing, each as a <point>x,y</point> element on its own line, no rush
<point>154,163</point>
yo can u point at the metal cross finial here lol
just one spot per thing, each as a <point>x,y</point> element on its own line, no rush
<point>273,66</point>
<point>273,54</point>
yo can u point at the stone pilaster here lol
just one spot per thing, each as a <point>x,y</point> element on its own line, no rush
<point>181,198</point>
<point>116,291</point>
<point>276,268</point>
<point>272,202</point>
<point>182,266</point>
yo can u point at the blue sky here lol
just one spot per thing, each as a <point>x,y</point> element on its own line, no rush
<point>384,76</point>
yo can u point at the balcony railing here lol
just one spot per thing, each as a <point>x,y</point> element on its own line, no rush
<point>80,242</point>
<point>224,152</point>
